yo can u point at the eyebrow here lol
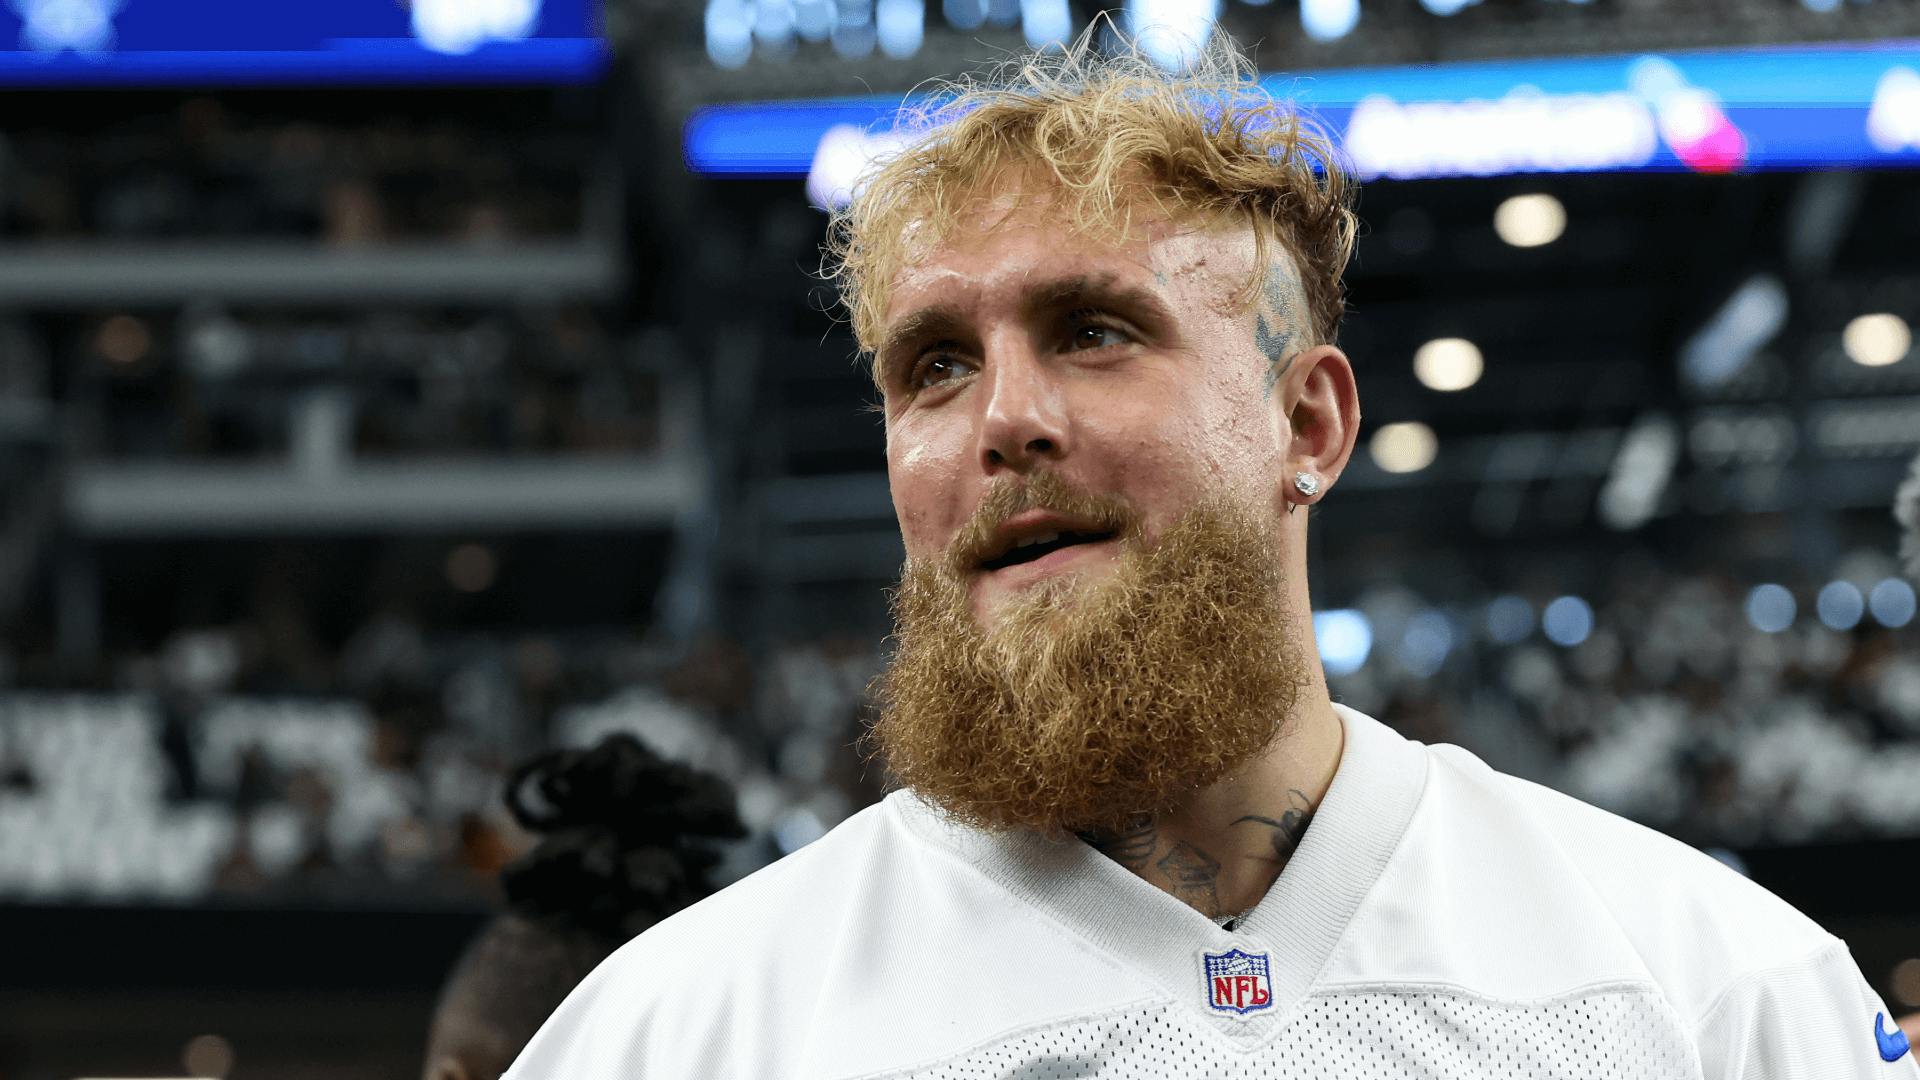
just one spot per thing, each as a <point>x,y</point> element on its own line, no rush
<point>944,321</point>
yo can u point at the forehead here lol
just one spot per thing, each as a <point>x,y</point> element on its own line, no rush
<point>998,249</point>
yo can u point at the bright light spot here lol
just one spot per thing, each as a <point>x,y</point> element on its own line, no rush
<point>1448,364</point>
<point>1820,5</point>
<point>1344,637</point>
<point>1530,220</point>
<point>1509,619</point>
<point>209,1056</point>
<point>844,160</point>
<point>813,19</point>
<point>729,32</point>
<point>1171,33</point>
<point>901,24</point>
<point>1329,20</point>
<point>1045,23</point>
<point>1892,603</point>
<point>471,568</point>
<point>1893,123</point>
<point>1567,621</point>
<point>773,23</point>
<point>85,26</point>
<point>1877,340</point>
<point>1770,608</point>
<point>461,26</point>
<point>1404,448</point>
<point>1424,646</point>
<point>853,32</point>
<point>1840,605</point>
<point>1447,7</point>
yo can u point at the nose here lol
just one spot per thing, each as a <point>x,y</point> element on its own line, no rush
<point>1025,420</point>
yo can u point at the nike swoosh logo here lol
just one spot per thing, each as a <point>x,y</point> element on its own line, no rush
<point>1892,1043</point>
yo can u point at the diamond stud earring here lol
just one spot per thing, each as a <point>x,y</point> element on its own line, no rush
<point>1307,483</point>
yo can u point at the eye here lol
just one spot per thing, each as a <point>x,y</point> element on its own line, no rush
<point>1096,335</point>
<point>938,368</point>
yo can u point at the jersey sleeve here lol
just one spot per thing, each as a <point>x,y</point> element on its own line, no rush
<point>589,1037</point>
<point>1812,1020</point>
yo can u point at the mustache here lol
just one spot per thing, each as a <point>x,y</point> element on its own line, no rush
<point>1042,490</point>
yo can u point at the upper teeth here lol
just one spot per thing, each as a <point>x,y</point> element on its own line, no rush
<point>1043,538</point>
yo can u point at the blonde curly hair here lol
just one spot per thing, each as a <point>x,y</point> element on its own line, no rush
<point>1111,134</point>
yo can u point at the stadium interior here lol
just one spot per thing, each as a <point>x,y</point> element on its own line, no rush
<point>365,430</point>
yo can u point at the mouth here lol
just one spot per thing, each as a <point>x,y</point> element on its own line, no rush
<point>1038,546</point>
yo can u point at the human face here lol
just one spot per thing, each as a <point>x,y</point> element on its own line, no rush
<point>1128,370</point>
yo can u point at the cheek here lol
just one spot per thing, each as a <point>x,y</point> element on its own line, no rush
<point>924,477</point>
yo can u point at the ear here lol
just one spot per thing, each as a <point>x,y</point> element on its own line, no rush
<point>447,1067</point>
<point>1323,411</point>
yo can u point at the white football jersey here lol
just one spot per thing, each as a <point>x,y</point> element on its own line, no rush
<point>1439,921</point>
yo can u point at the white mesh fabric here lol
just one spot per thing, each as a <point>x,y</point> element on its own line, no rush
<point>1622,1035</point>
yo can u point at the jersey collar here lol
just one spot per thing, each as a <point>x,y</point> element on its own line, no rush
<point>1355,831</point>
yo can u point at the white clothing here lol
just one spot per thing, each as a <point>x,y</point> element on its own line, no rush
<point>1438,920</point>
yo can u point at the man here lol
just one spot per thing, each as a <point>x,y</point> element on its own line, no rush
<point>1135,838</point>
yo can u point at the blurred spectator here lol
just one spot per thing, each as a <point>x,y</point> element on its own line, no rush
<point>627,838</point>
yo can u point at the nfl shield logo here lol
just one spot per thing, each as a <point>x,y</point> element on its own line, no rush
<point>1238,982</point>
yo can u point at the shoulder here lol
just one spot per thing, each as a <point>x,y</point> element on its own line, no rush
<point>1520,891</point>
<point>872,948</point>
<point>736,962</point>
<point>1697,924</point>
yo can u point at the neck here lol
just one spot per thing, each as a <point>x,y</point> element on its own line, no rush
<point>1220,851</point>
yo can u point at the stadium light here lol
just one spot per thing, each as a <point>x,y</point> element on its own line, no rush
<point>813,19</point>
<point>1404,448</point>
<point>1771,608</point>
<point>1171,32</point>
<point>1877,340</point>
<point>1892,602</point>
<point>1448,364</point>
<point>901,26</point>
<point>1045,23</point>
<point>1329,20</point>
<point>1530,220</point>
<point>1568,621</point>
<point>729,33</point>
<point>1840,605</point>
<point>1344,638</point>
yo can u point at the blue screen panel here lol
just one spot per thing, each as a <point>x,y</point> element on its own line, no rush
<point>1712,111</point>
<point>128,43</point>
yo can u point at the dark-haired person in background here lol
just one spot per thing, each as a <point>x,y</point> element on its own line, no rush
<point>626,840</point>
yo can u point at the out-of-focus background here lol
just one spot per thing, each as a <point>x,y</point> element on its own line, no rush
<point>390,391</point>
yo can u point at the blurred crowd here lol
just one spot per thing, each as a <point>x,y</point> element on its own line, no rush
<point>216,767</point>
<point>1719,711</point>
<point>205,169</point>
<point>209,382</point>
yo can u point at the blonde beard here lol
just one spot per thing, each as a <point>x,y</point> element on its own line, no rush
<point>1088,704</point>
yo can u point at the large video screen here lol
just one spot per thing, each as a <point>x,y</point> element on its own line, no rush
<point>1708,111</point>
<point>250,42</point>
